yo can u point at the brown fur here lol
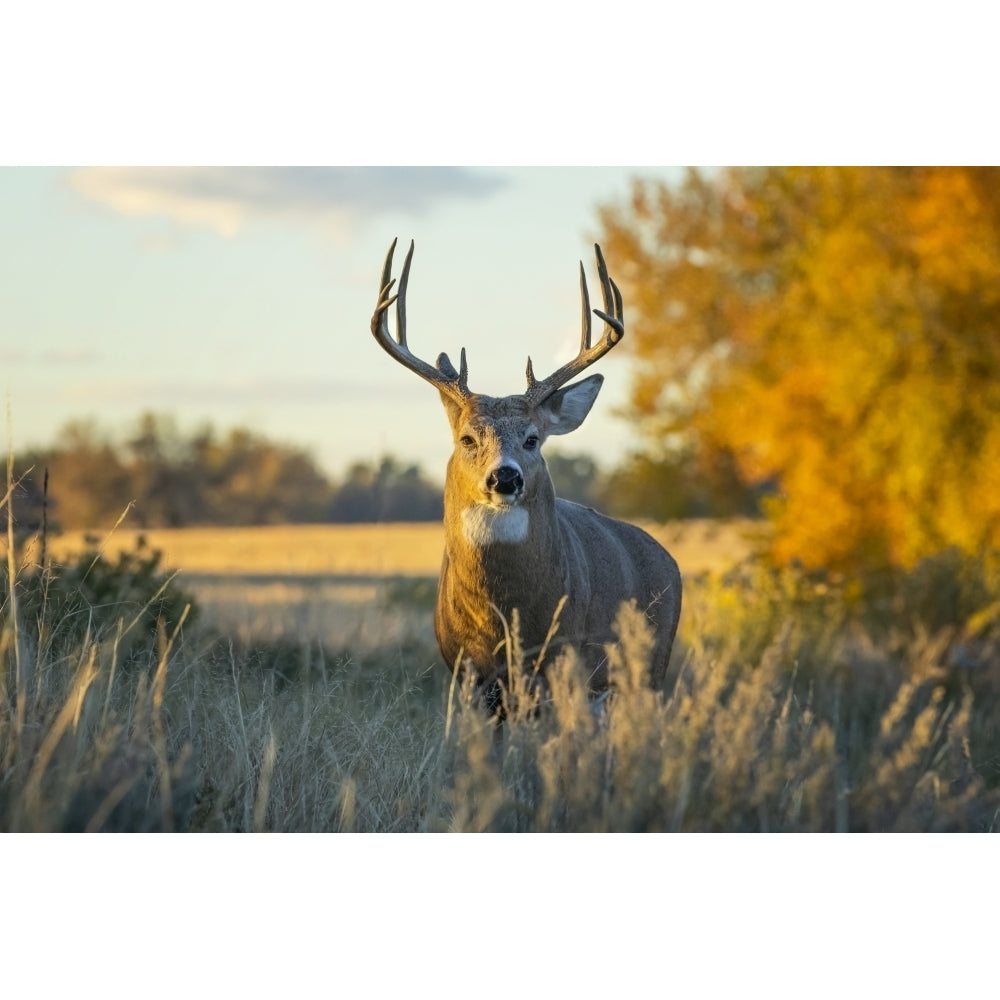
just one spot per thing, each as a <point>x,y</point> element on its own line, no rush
<point>596,562</point>
<point>510,545</point>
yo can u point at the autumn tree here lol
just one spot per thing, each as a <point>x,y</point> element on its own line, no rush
<point>833,330</point>
<point>167,479</point>
<point>88,483</point>
<point>247,479</point>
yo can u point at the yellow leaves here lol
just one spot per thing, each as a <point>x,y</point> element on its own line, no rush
<point>953,236</point>
<point>860,312</point>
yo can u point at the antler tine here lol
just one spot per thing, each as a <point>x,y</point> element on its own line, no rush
<point>401,297</point>
<point>585,299</point>
<point>380,324</point>
<point>443,377</point>
<point>612,299</point>
<point>614,329</point>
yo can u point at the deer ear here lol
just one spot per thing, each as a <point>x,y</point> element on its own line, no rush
<point>452,408</point>
<point>567,408</point>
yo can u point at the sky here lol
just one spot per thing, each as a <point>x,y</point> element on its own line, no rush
<point>243,296</point>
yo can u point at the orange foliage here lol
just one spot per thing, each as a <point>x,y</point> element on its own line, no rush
<point>838,330</point>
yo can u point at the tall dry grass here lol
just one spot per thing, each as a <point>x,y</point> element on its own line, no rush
<point>782,714</point>
<point>743,745</point>
<point>794,703</point>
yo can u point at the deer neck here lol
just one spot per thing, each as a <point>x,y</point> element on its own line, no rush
<point>485,544</point>
<point>483,584</point>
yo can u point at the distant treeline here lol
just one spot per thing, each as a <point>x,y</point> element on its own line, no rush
<point>242,478</point>
<point>236,478</point>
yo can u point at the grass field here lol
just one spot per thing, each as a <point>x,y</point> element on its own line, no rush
<point>302,691</point>
<point>373,549</point>
<point>357,587</point>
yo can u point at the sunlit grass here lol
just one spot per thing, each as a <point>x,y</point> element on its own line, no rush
<point>793,703</point>
<point>287,550</point>
<point>373,549</point>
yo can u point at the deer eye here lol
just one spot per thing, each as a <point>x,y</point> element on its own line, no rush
<point>531,443</point>
<point>467,441</point>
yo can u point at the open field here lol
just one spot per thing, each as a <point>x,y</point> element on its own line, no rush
<point>347,586</point>
<point>374,549</point>
<point>304,692</point>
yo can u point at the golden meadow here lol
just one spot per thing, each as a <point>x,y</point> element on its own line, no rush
<point>287,679</point>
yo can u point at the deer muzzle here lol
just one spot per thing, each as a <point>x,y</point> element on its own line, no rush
<point>506,482</point>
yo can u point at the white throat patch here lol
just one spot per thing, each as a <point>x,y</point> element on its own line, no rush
<point>484,525</point>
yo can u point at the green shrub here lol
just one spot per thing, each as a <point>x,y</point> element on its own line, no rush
<point>92,597</point>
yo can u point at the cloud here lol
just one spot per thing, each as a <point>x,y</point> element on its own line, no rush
<point>225,198</point>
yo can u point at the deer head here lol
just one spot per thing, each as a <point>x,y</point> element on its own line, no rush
<point>496,474</point>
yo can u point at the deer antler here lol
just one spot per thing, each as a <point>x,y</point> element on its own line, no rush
<point>444,377</point>
<point>614,330</point>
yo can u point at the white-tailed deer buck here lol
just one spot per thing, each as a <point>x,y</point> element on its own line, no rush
<point>510,543</point>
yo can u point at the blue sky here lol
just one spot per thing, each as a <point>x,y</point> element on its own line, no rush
<point>244,295</point>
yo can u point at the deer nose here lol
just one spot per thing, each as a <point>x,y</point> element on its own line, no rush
<point>505,480</point>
